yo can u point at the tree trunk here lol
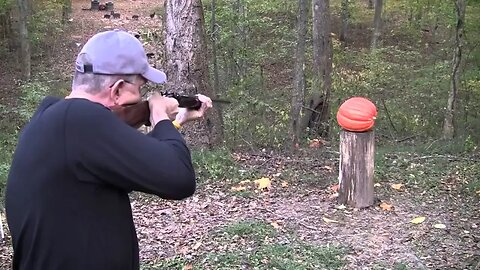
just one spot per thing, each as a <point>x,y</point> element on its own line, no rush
<point>216,86</point>
<point>322,69</point>
<point>370,4</point>
<point>216,81</point>
<point>24,53</point>
<point>187,66</point>
<point>7,31</point>
<point>377,23</point>
<point>66,10</point>
<point>298,94</point>
<point>345,20</point>
<point>449,125</point>
<point>5,24</point>
<point>357,153</point>
<point>242,35</point>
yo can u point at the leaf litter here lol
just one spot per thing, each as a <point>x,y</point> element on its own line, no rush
<point>299,195</point>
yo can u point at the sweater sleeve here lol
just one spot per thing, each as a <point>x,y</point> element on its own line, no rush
<point>102,149</point>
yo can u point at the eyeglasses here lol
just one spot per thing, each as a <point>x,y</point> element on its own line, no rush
<point>142,90</point>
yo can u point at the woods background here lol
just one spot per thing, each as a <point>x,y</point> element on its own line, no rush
<point>285,65</point>
<point>267,163</point>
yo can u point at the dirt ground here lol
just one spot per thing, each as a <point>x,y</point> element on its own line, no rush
<point>373,236</point>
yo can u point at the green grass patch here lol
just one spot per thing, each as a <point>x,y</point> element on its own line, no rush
<point>248,229</point>
<point>295,256</point>
<point>7,141</point>
<point>219,164</point>
<point>31,93</point>
<point>173,263</point>
<point>258,245</point>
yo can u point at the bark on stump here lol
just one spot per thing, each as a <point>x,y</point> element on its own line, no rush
<point>357,151</point>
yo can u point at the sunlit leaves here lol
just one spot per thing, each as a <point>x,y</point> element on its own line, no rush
<point>263,183</point>
<point>328,220</point>
<point>397,186</point>
<point>275,225</point>
<point>417,220</point>
<point>239,188</point>
<point>440,226</point>
<point>386,206</point>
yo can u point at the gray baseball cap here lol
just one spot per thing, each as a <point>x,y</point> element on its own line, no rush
<point>116,52</point>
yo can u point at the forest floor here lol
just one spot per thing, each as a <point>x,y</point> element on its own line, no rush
<point>294,222</point>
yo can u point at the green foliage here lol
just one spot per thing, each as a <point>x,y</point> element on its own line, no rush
<point>213,164</point>
<point>254,39</point>
<point>408,78</point>
<point>252,229</point>
<point>256,120</point>
<point>7,142</point>
<point>5,5</point>
<point>45,22</point>
<point>429,166</point>
<point>31,94</point>
<point>408,94</point>
<point>217,164</point>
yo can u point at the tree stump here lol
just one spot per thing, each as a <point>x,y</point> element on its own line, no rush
<point>94,4</point>
<point>109,6</point>
<point>357,153</point>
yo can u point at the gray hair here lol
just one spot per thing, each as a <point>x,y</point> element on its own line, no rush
<point>95,83</point>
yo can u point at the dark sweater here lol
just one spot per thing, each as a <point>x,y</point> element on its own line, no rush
<point>67,198</point>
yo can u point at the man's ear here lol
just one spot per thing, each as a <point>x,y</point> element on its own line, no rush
<point>116,90</point>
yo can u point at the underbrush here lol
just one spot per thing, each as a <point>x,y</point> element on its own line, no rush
<point>31,93</point>
<point>430,166</point>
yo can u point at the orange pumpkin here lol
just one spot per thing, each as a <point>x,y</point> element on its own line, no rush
<point>357,114</point>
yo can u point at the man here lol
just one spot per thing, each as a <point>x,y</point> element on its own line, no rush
<point>67,198</point>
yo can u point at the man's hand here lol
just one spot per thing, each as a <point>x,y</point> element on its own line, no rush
<point>185,115</point>
<point>162,108</point>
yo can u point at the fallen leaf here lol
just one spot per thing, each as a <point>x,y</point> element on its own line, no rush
<point>385,206</point>
<point>341,207</point>
<point>397,186</point>
<point>333,196</point>
<point>188,267</point>
<point>244,182</point>
<point>183,250</point>
<point>327,220</point>
<point>275,225</point>
<point>440,226</point>
<point>263,183</point>
<point>328,167</point>
<point>417,220</point>
<point>197,245</point>
<point>239,188</point>
<point>335,188</point>
<point>284,184</point>
<point>316,143</point>
<point>478,192</point>
<point>377,185</point>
